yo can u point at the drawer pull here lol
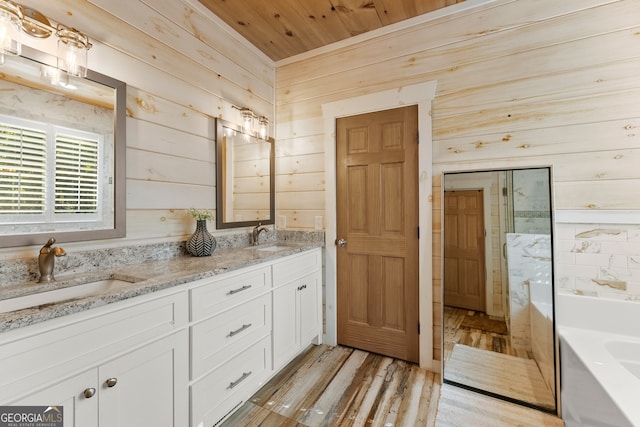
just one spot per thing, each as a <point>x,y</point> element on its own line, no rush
<point>235,291</point>
<point>237,331</point>
<point>88,393</point>
<point>302,287</point>
<point>111,382</point>
<point>235,383</point>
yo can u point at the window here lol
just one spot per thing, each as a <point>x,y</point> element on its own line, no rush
<point>49,174</point>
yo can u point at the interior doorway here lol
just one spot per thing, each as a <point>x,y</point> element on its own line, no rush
<point>377,232</point>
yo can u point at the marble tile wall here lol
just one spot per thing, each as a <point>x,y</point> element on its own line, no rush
<point>601,260</point>
<point>531,201</point>
<point>529,265</point>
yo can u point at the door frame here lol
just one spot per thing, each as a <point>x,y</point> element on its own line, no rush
<point>421,95</point>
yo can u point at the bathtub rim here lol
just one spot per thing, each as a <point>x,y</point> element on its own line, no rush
<point>621,386</point>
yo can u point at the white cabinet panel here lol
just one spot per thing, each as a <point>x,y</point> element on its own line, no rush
<point>296,266</point>
<point>227,387</point>
<point>217,294</point>
<point>219,338</point>
<point>286,330</point>
<point>310,302</point>
<point>296,317</point>
<point>77,410</point>
<point>147,387</point>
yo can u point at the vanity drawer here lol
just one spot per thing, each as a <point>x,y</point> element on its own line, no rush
<point>296,266</point>
<point>218,294</point>
<point>230,385</point>
<point>219,338</point>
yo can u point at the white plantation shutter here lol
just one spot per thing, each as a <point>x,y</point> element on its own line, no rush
<point>51,174</point>
<point>23,167</point>
<point>76,174</point>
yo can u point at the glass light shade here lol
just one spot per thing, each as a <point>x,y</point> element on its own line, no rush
<point>10,29</point>
<point>247,120</point>
<point>264,127</point>
<point>73,48</point>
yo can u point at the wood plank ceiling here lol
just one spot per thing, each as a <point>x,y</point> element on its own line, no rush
<point>283,28</point>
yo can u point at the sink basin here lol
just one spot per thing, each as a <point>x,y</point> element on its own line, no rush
<point>61,294</point>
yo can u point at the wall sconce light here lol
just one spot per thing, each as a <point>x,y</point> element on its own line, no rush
<point>248,117</point>
<point>10,25</point>
<point>73,46</point>
<point>263,122</point>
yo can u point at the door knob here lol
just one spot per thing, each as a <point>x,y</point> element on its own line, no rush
<point>341,243</point>
<point>111,382</point>
<point>89,392</point>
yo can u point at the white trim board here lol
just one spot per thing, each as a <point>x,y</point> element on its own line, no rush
<point>419,94</point>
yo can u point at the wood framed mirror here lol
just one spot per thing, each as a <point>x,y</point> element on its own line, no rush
<point>245,187</point>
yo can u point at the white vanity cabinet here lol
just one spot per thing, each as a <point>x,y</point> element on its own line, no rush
<point>189,355</point>
<point>297,305</point>
<point>121,365</point>
<point>230,341</point>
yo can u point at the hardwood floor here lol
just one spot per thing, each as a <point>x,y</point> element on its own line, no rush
<point>478,354</point>
<point>477,337</point>
<point>340,386</point>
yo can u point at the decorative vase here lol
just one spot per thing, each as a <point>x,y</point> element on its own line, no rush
<point>201,242</point>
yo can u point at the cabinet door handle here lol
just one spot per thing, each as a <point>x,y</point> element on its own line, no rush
<point>235,383</point>
<point>235,291</point>
<point>89,392</point>
<point>111,382</point>
<point>240,329</point>
<point>302,287</point>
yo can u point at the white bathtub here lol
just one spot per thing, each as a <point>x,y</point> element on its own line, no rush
<point>600,361</point>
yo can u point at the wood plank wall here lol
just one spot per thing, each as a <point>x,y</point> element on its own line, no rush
<point>520,83</point>
<point>183,68</point>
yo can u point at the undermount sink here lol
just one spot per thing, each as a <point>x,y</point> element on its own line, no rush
<point>62,294</point>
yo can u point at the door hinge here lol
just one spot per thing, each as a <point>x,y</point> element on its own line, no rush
<point>418,328</point>
<point>418,232</point>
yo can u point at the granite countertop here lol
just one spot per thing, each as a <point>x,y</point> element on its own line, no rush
<point>139,279</point>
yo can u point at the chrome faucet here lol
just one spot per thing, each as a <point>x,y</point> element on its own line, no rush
<point>46,261</point>
<point>255,234</point>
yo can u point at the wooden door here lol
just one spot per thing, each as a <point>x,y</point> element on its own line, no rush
<point>377,216</point>
<point>464,263</point>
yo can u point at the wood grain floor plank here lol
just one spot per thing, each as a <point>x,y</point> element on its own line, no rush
<point>293,394</point>
<point>251,415</point>
<point>339,386</point>
<point>461,408</point>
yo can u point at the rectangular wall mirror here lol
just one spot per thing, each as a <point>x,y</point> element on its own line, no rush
<point>62,153</point>
<point>245,178</point>
<point>498,285</point>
